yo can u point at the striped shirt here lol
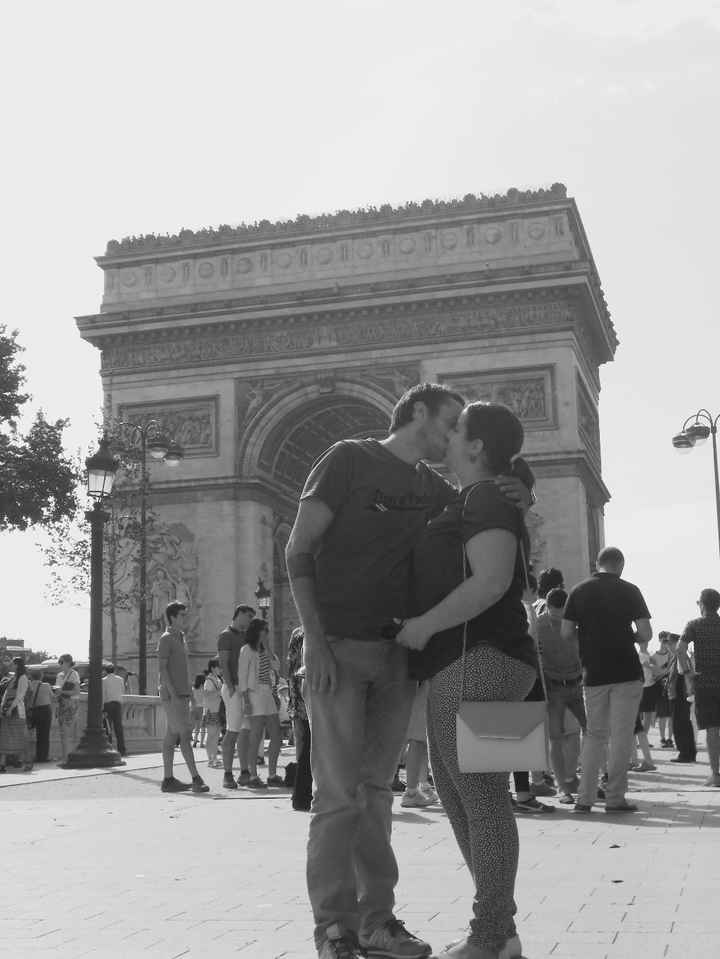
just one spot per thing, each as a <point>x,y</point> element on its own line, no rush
<point>264,667</point>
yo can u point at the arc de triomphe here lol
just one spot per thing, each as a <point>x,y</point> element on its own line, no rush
<point>260,346</point>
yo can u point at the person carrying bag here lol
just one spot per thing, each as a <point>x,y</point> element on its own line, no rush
<point>471,640</point>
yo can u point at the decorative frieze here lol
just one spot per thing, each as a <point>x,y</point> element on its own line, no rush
<point>529,392</point>
<point>192,423</point>
<point>430,324</point>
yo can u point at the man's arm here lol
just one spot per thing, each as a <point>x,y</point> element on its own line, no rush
<point>163,660</point>
<point>313,519</point>
<point>224,655</point>
<point>644,630</point>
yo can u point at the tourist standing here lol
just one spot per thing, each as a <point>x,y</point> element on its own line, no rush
<point>113,689</point>
<point>563,677</point>
<point>361,511</point>
<point>42,718</point>
<point>174,690</point>
<point>237,729</point>
<point>602,611</point>
<point>663,712</point>
<point>679,688</point>
<point>297,711</point>
<point>703,634</point>
<point>68,702</point>
<point>469,579</point>
<point>13,729</point>
<point>259,705</point>
<point>197,710</point>
<point>213,700</point>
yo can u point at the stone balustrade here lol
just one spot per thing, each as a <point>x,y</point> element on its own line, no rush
<point>143,722</point>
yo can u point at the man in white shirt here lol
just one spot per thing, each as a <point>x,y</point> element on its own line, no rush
<point>113,690</point>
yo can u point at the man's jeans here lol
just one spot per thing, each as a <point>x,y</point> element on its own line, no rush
<point>611,713</point>
<point>357,735</point>
<point>562,697</point>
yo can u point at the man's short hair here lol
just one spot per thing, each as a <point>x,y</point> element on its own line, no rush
<point>172,609</point>
<point>433,395</point>
<point>549,579</point>
<point>109,668</point>
<point>710,599</point>
<point>243,609</point>
<point>610,556</point>
<point>556,598</point>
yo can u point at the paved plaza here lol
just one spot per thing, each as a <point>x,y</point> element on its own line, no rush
<point>105,865</point>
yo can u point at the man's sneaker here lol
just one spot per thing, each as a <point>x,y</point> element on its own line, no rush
<point>173,785</point>
<point>244,777</point>
<point>532,806</point>
<point>393,941</point>
<point>256,782</point>
<point>542,789</point>
<point>338,944</point>
<point>582,808</point>
<point>229,780</point>
<point>275,781</point>
<point>198,786</point>
<point>428,790</point>
<point>415,798</point>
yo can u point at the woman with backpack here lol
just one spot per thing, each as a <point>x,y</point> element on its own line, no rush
<point>13,730</point>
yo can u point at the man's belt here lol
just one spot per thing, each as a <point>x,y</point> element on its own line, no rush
<point>564,682</point>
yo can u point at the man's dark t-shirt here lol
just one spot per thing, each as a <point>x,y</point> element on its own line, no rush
<point>232,640</point>
<point>438,570</point>
<point>605,607</point>
<point>380,505</point>
<point>704,634</point>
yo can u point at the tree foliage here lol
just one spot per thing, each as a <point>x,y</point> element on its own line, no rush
<point>38,480</point>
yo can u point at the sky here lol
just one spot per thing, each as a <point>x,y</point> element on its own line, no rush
<point>141,118</point>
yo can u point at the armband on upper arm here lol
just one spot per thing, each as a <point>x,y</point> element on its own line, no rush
<point>301,566</point>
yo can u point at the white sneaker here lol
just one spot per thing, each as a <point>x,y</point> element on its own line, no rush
<point>415,798</point>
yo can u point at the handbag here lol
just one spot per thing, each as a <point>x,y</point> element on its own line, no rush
<point>495,737</point>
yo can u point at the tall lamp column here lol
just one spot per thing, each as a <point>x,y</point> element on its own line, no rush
<point>94,750</point>
<point>696,429</point>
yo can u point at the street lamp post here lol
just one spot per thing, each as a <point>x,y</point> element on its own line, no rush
<point>262,595</point>
<point>696,429</point>
<point>153,441</point>
<point>94,750</point>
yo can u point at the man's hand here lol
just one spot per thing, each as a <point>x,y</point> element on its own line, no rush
<point>320,665</point>
<point>516,491</point>
<point>414,634</point>
<point>231,690</point>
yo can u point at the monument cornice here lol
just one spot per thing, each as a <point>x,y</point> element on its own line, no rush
<point>581,464</point>
<point>411,213</point>
<point>452,318</point>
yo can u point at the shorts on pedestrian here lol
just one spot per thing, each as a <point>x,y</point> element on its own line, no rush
<point>650,697</point>
<point>707,708</point>
<point>177,713</point>
<point>235,721</point>
<point>262,701</point>
<point>417,728</point>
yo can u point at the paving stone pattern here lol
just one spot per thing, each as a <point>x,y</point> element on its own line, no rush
<point>105,865</point>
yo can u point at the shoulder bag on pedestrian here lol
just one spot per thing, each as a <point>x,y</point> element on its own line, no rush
<point>501,736</point>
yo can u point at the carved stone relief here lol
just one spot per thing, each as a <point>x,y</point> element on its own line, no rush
<point>528,392</point>
<point>588,421</point>
<point>191,423</point>
<point>429,324</point>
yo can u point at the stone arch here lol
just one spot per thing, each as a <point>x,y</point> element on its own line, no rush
<point>296,427</point>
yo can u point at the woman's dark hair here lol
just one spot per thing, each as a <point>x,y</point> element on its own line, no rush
<point>199,681</point>
<point>20,669</point>
<point>254,631</point>
<point>212,663</point>
<point>66,656</point>
<point>502,435</point>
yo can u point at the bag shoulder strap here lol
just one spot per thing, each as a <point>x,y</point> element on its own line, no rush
<point>526,582</point>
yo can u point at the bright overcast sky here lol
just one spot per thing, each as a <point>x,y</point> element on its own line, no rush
<point>149,117</point>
